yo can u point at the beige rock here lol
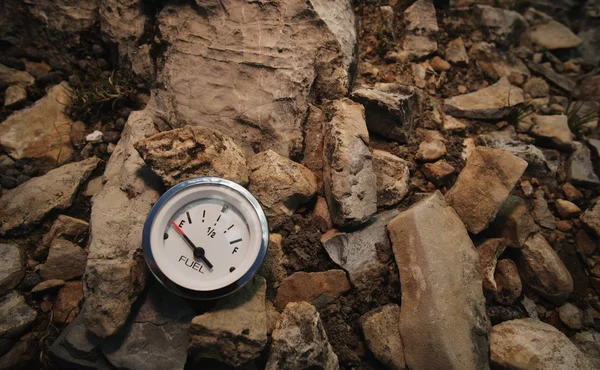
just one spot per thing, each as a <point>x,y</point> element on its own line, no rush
<point>514,222</point>
<point>37,69</point>
<point>496,64</point>
<point>15,316</point>
<point>273,267</point>
<point>193,151</point>
<point>431,148</point>
<point>381,328</point>
<point>318,288</point>
<point>591,218</point>
<point>536,87</point>
<point>439,65</point>
<point>392,178</point>
<point>571,316</point>
<point>505,27</point>
<point>12,268</point>
<point>468,148</point>
<point>320,214</point>
<point>40,131</point>
<point>65,261</point>
<point>442,322</point>
<point>553,131</point>
<point>93,187</point>
<point>508,282</point>
<point>418,46</point>
<point>567,209</point>
<point>548,33</point>
<point>420,17</point>
<point>14,94</point>
<point>300,341</point>
<point>64,227</point>
<point>456,52</point>
<point>116,271</point>
<point>439,173</point>
<point>452,124</point>
<point>235,330</point>
<point>571,192</point>
<point>489,251</point>
<point>30,202</point>
<point>348,171</point>
<point>532,344</point>
<point>280,184</point>
<point>10,76</point>
<point>483,185</point>
<point>66,306</point>
<point>47,285</point>
<point>543,271</point>
<point>493,102</point>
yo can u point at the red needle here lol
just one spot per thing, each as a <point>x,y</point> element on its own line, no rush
<point>198,251</point>
<point>177,228</point>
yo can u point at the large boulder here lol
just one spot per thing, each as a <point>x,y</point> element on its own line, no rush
<point>246,75</point>
<point>193,151</point>
<point>532,344</point>
<point>12,267</point>
<point>443,321</point>
<point>483,186</point>
<point>116,271</point>
<point>348,170</point>
<point>300,341</point>
<point>41,131</point>
<point>381,328</point>
<point>29,203</point>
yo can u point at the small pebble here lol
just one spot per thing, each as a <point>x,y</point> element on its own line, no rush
<point>94,137</point>
<point>462,89</point>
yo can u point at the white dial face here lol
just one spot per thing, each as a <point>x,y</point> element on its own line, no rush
<point>206,237</point>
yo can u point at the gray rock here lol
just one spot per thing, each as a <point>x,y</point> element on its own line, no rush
<point>557,79</point>
<point>155,337</point>
<point>548,33</point>
<point>442,322</point>
<point>356,252</point>
<point>493,102</point>
<point>505,26</point>
<point>483,186</point>
<point>532,344</point>
<point>235,331</point>
<point>541,212</point>
<point>513,221</point>
<point>381,328</point>
<point>543,270</point>
<point>591,218</point>
<point>12,269</point>
<point>193,151</point>
<point>10,76</point>
<point>391,109</point>
<point>14,94</point>
<point>588,342</point>
<point>116,271</point>
<point>64,227</point>
<point>257,91</point>
<point>30,202</point>
<point>536,87</point>
<point>580,169</point>
<point>348,171</point>
<point>65,261</point>
<point>392,178</point>
<point>496,64</point>
<point>420,17</point>
<point>41,131</point>
<point>571,315</point>
<point>417,46</point>
<point>300,341</point>
<point>540,162</point>
<point>553,131</point>
<point>15,315</point>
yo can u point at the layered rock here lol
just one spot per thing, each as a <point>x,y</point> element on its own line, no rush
<point>483,186</point>
<point>442,322</point>
<point>12,268</point>
<point>318,288</point>
<point>193,151</point>
<point>348,171</point>
<point>30,202</point>
<point>116,271</point>
<point>300,341</point>
<point>381,328</point>
<point>392,178</point>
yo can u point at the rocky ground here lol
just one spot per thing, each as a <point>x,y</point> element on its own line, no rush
<point>430,172</point>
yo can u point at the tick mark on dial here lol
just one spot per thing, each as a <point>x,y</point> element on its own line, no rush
<point>231,269</point>
<point>189,218</point>
<point>236,241</point>
<point>165,236</point>
<point>218,218</point>
<point>229,228</point>
<point>203,215</point>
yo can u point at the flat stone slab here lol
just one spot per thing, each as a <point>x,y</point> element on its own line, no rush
<point>12,267</point>
<point>15,315</point>
<point>318,288</point>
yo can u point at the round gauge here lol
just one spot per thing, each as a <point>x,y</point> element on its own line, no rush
<point>205,238</point>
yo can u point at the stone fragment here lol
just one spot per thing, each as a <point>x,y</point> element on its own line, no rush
<point>300,341</point>
<point>540,162</point>
<point>116,270</point>
<point>439,65</point>
<point>483,185</point>
<point>580,169</point>
<point>493,102</point>
<point>235,331</point>
<point>418,46</point>
<point>41,131</point>
<point>66,306</point>
<point>93,187</point>
<point>10,76</point>
<point>12,268</point>
<point>390,109</point>
<point>94,137</point>
<point>275,79</point>
<point>532,344</point>
<point>356,252</point>
<point>280,184</point>
<point>48,285</point>
<point>65,261</point>
<point>37,70</point>
<point>64,227</point>
<point>549,33</point>
<point>318,288</point>
<point>489,251</point>
<point>541,212</point>
<point>273,267</point>
<point>496,64</point>
<point>591,218</point>
<point>553,131</point>
<point>14,94</point>
<point>193,151</point>
<point>381,328</point>
<point>514,222</point>
<point>567,209</point>
<point>348,171</point>
<point>505,26</point>
<point>536,87</point>
<point>156,335</point>
<point>452,124</point>
<point>585,243</point>
<point>313,142</point>
<point>320,214</point>
<point>30,202</point>
<point>431,148</point>
<point>588,342</point>
<point>392,178</point>
<point>420,17</point>
<point>543,271</point>
<point>439,173</point>
<point>508,282</point>
<point>442,322</point>
<point>15,315</point>
<point>456,52</point>
<point>559,80</point>
<point>571,316</point>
